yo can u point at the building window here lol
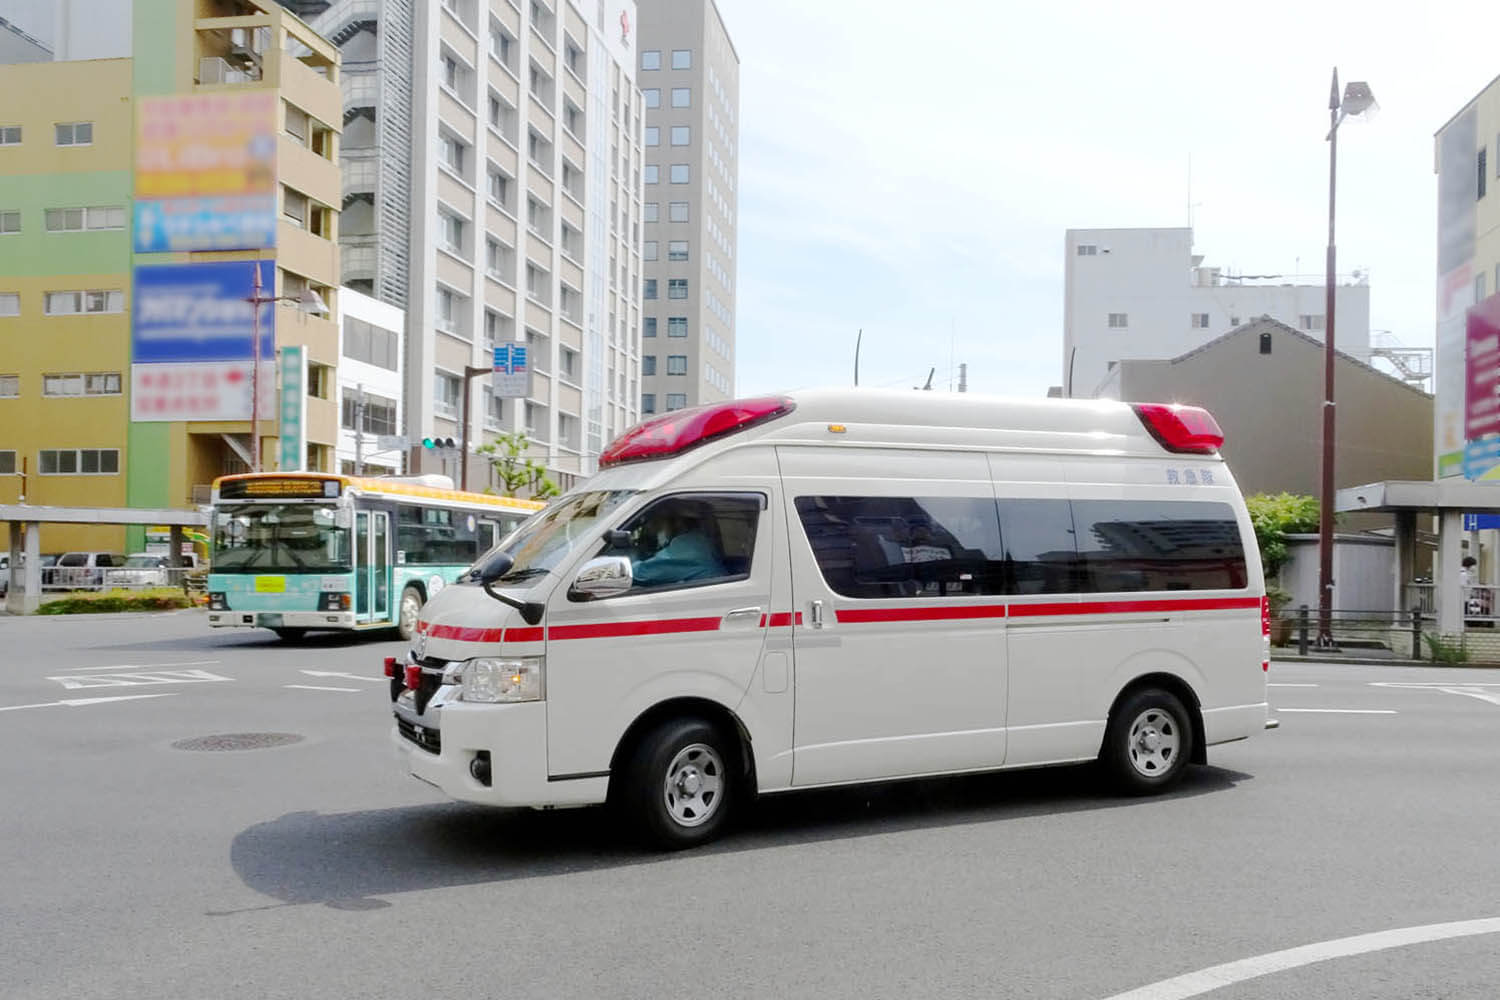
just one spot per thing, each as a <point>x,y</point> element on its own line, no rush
<point>498,188</point>
<point>677,250</point>
<point>682,97</point>
<point>648,402</point>
<point>81,384</point>
<point>1118,321</point>
<point>650,211</point>
<point>10,135</point>
<point>1265,343</point>
<point>652,97</point>
<point>653,135</point>
<point>447,311</point>
<point>648,326</point>
<point>648,364</point>
<point>648,288</point>
<point>676,400</point>
<point>502,46</point>
<point>653,174</point>
<point>445,391</point>
<point>79,461</point>
<point>371,344</point>
<point>651,59</point>
<point>677,326</point>
<point>10,303</point>
<point>452,229</point>
<point>499,260</point>
<point>1200,321</point>
<point>677,288</point>
<point>10,387</point>
<point>676,364</point>
<point>648,250</point>
<point>682,58</point>
<point>7,458</point>
<point>1310,322</point>
<point>72,303</point>
<point>74,220</point>
<point>494,409</point>
<point>74,133</point>
<point>379,416</point>
<point>677,211</point>
<point>682,135</point>
<point>680,174</point>
<point>10,222</point>
<point>451,153</point>
<point>1087,249</point>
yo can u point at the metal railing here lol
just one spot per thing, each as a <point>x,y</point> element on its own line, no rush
<point>1481,603</point>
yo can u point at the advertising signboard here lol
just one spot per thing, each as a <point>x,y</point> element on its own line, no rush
<point>200,312</point>
<point>205,176</point>
<point>1482,369</point>
<point>292,421</point>
<point>1458,196</point>
<point>207,390</point>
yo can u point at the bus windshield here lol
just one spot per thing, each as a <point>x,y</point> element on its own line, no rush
<point>548,537</point>
<point>280,538</point>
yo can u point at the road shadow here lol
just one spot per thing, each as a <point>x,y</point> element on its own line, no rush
<point>350,860</point>
<point>254,639</point>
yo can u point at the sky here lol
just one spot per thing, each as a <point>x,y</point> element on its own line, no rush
<point>910,169</point>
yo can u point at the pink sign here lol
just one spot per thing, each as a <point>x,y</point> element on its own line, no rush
<point>1482,369</point>
<point>215,390</point>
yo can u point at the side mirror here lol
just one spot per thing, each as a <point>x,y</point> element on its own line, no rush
<point>604,576</point>
<point>491,567</point>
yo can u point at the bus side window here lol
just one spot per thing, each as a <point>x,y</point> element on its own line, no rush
<point>488,535</point>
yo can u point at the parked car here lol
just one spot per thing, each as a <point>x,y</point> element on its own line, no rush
<point>150,569</point>
<point>84,569</point>
<point>48,561</point>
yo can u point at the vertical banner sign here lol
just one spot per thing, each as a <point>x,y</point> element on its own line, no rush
<point>1481,385</point>
<point>205,172</point>
<point>1458,201</point>
<point>293,409</point>
<point>512,375</point>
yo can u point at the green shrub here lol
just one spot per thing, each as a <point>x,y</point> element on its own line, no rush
<point>1446,650</point>
<point>84,602</point>
<point>1275,516</point>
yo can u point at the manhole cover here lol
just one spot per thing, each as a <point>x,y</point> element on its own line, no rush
<point>238,741</point>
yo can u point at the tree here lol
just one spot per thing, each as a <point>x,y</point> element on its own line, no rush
<point>1275,516</point>
<point>509,457</point>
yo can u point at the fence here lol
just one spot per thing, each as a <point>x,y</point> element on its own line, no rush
<point>1395,634</point>
<point>65,578</point>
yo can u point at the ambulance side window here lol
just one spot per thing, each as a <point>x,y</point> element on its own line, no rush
<point>1041,555</point>
<point>1132,545</point>
<point>692,540</point>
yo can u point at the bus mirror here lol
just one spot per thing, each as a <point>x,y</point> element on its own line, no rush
<point>343,517</point>
<point>604,576</point>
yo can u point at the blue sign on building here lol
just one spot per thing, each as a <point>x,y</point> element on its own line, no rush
<point>229,222</point>
<point>200,312</point>
<point>1481,522</point>
<point>512,375</point>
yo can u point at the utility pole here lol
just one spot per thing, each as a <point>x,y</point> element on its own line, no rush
<point>255,301</point>
<point>963,378</point>
<point>470,374</point>
<point>359,429</point>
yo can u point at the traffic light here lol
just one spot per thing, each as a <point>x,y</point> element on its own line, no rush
<point>439,444</point>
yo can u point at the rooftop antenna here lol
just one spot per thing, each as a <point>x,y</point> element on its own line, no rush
<point>858,337</point>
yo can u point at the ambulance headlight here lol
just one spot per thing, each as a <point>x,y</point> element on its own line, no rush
<point>489,680</point>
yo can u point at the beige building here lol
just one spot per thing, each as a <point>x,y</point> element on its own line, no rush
<point>690,77</point>
<point>1263,382</point>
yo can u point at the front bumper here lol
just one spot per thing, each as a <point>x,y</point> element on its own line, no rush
<point>281,619</point>
<point>515,737</point>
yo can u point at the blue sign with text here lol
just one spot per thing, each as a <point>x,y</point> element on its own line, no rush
<point>201,312</point>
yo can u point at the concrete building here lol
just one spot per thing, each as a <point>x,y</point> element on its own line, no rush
<point>18,45</point>
<point>690,76</point>
<point>524,210</point>
<point>1263,382</point>
<point>372,335</point>
<point>1143,294</point>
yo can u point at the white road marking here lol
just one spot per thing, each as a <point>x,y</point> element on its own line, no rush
<point>1269,684</point>
<point>351,677</point>
<point>1218,976</point>
<point>86,701</point>
<point>1476,690</point>
<point>147,666</point>
<point>1341,711</point>
<point>314,687</point>
<point>76,681</point>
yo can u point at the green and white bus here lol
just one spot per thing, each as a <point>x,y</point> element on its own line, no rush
<point>296,551</point>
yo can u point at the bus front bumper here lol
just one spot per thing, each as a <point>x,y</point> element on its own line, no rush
<point>281,619</point>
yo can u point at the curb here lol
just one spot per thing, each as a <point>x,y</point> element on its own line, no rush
<point>1377,661</point>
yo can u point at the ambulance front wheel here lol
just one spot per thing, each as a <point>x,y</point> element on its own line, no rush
<point>680,783</point>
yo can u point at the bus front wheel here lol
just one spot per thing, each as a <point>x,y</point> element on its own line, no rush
<point>411,608</point>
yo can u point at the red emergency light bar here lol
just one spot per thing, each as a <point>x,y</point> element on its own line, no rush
<point>676,432</point>
<point>1187,430</point>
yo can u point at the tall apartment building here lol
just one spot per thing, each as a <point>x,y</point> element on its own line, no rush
<point>114,231</point>
<point>1142,294</point>
<point>524,210</point>
<point>690,76</point>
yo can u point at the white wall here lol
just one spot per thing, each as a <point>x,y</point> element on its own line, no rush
<point>1148,274</point>
<point>91,29</point>
<point>376,380</point>
<point>1364,568</point>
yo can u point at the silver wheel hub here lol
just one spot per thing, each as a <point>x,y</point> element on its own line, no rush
<point>694,787</point>
<point>1155,741</point>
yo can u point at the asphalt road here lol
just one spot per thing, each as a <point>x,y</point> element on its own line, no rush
<point>130,868</point>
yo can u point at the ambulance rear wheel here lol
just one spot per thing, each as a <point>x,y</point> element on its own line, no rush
<point>410,610</point>
<point>1148,742</point>
<point>680,783</point>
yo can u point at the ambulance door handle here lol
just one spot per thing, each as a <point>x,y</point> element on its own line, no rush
<point>815,614</point>
<point>742,617</point>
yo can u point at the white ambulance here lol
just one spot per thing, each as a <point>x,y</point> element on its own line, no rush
<point>849,586</point>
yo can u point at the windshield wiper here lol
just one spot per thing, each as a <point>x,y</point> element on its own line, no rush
<point>530,572</point>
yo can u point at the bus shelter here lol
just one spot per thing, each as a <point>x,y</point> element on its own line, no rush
<point>1446,500</point>
<point>23,594</point>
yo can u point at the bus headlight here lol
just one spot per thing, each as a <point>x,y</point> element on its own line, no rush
<point>493,680</point>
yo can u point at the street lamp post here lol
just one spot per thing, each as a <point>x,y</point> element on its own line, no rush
<point>1356,100</point>
<point>310,302</point>
<point>471,372</point>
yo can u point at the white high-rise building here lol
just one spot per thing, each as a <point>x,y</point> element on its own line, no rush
<point>492,177</point>
<point>1143,294</point>
<point>690,77</point>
